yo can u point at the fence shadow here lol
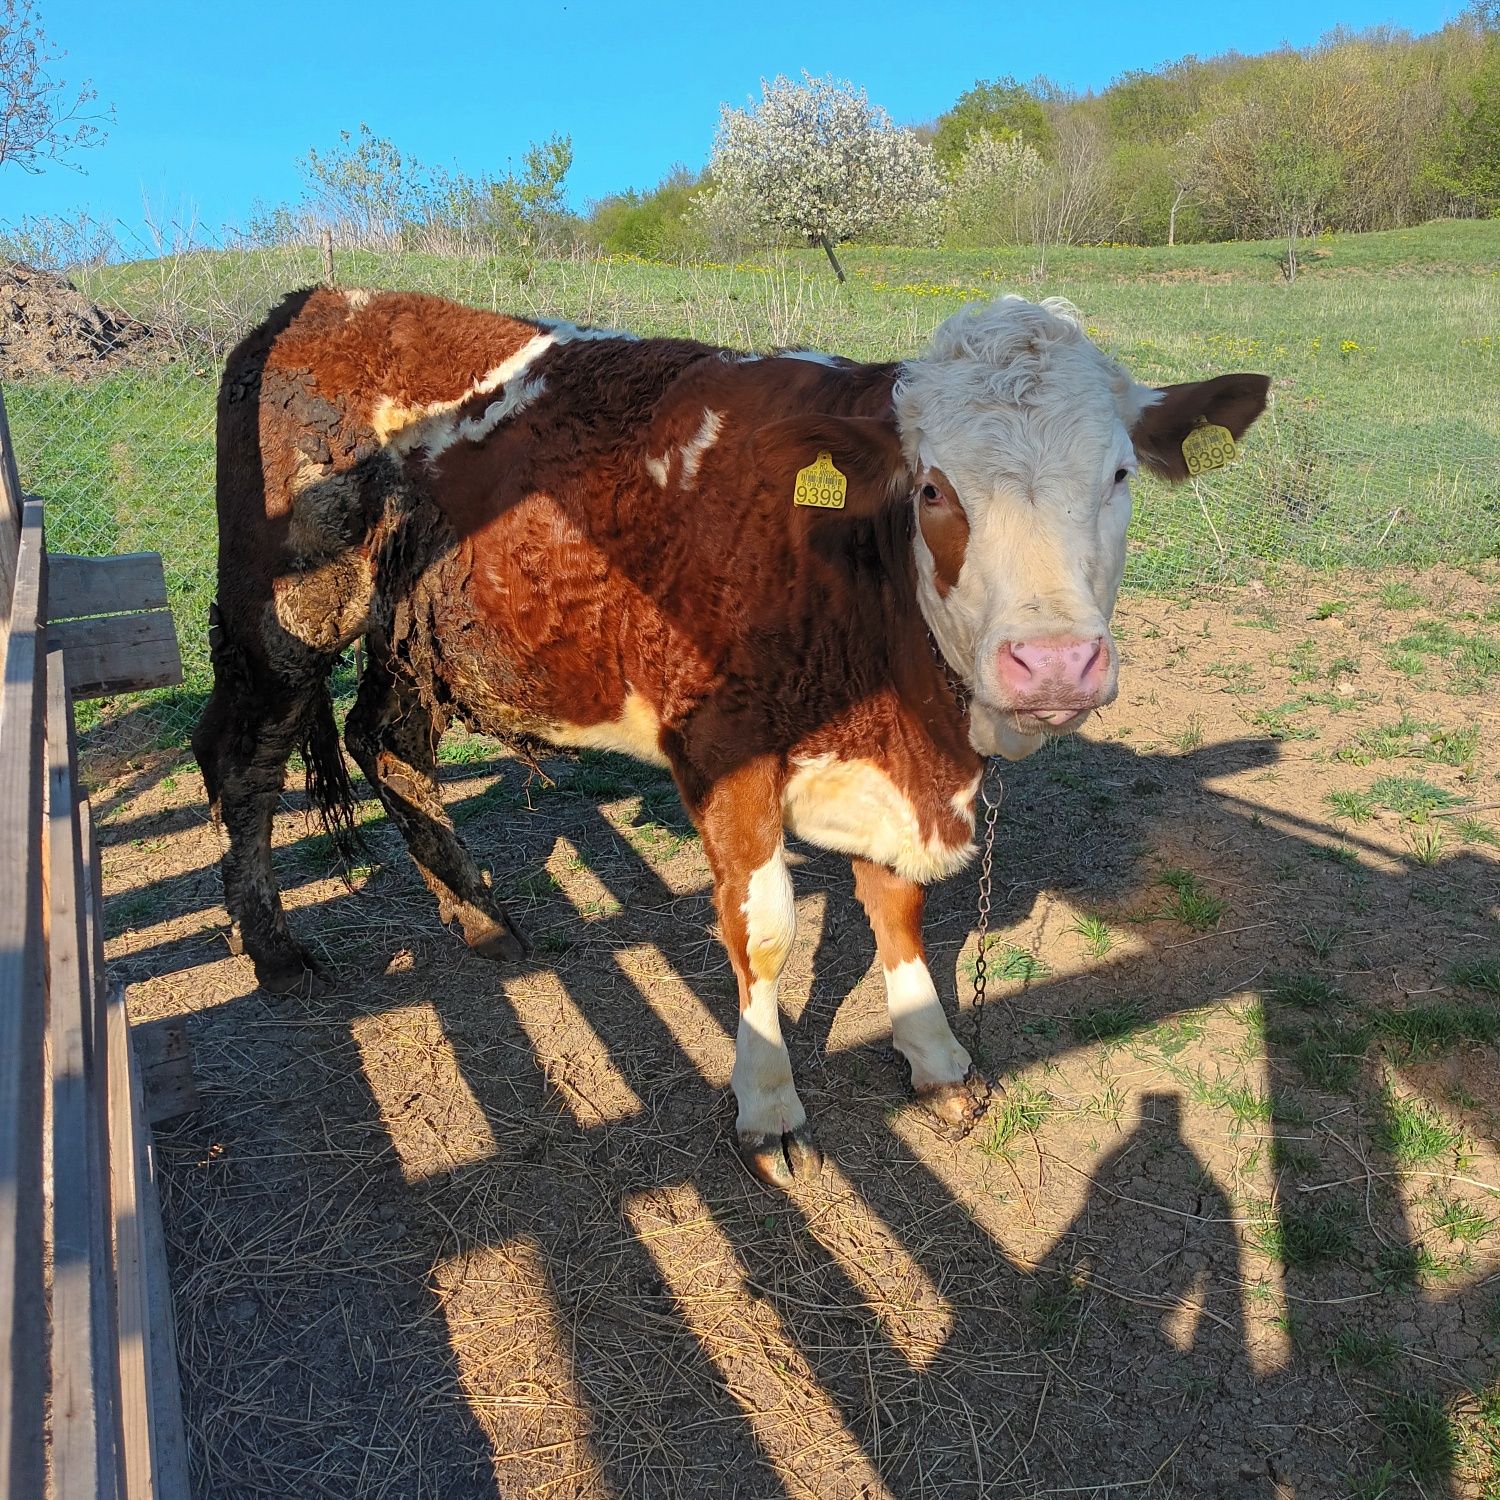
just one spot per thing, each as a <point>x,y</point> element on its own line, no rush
<point>573,1288</point>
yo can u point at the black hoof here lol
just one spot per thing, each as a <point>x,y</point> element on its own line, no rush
<point>494,936</point>
<point>293,972</point>
<point>960,1106</point>
<point>780,1160</point>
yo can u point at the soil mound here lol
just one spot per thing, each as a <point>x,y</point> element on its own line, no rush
<point>49,327</point>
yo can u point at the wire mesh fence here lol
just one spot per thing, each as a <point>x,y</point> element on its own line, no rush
<point>1381,448</point>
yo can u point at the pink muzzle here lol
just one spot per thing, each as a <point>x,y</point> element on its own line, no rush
<point>1054,678</point>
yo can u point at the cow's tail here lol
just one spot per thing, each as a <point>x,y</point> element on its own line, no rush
<point>329,789</point>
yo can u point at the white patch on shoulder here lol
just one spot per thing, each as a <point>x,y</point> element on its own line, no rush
<point>963,799</point>
<point>812,357</point>
<point>637,732</point>
<point>658,469</point>
<point>519,394</point>
<point>854,807</point>
<point>405,428</point>
<point>357,298</point>
<point>571,333</point>
<point>702,440</point>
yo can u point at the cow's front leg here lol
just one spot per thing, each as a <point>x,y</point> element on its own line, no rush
<point>741,823</point>
<point>942,1075</point>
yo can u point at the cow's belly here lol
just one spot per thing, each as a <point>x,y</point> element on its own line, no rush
<point>636,731</point>
<point>854,807</point>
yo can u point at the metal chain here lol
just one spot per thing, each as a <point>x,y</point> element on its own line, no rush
<point>991,812</point>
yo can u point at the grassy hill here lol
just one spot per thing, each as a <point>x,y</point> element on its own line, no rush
<point>1382,447</point>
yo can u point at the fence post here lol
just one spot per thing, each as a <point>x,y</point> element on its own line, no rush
<point>23,1005</point>
<point>10,519</point>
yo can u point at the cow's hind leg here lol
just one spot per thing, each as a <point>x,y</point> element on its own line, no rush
<point>942,1075</point>
<point>392,735</point>
<point>252,722</point>
<point>740,820</point>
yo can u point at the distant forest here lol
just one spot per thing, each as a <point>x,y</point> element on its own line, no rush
<point>1369,130</point>
<point>1364,131</point>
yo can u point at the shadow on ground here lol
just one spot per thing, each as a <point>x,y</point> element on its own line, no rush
<point>454,1232</point>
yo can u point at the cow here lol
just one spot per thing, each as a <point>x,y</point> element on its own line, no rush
<point>821,592</point>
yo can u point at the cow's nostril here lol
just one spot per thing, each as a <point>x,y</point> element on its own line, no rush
<point>1014,656</point>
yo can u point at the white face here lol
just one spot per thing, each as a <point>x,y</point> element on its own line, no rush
<point>1018,431</point>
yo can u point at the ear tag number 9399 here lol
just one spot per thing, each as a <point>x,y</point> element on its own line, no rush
<point>1207,448</point>
<point>820,485</point>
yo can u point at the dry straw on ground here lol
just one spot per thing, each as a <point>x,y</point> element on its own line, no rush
<point>1232,1228</point>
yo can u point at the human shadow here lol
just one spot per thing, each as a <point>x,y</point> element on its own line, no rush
<point>718,1338</point>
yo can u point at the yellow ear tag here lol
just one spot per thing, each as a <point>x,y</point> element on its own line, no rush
<point>1207,448</point>
<point>820,485</point>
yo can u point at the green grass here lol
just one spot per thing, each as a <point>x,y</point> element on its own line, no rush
<point>1237,677</point>
<point>1411,1133</point>
<point>1477,974</point>
<point>1331,1055</point>
<point>1098,936</point>
<point>1410,796</point>
<point>1401,596</point>
<point>1364,1351</point>
<point>1189,902</point>
<point>1016,963</point>
<point>1472,660</point>
<point>1279,723</point>
<point>1355,807</point>
<point>1305,991</point>
<point>1415,1433</point>
<point>1319,941</point>
<point>1427,1030</point>
<point>1300,1236</point>
<point>1385,461</point>
<point>1407,1267</point>
<point>1022,1110</point>
<point>1244,1104</point>
<point>1412,739</point>
<point>1473,830</point>
<point>1107,1023</point>
<point>1463,1222</point>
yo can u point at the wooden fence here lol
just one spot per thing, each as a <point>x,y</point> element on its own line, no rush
<point>89,1399</point>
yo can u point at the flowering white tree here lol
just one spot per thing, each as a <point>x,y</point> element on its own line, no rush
<point>987,192</point>
<point>816,159</point>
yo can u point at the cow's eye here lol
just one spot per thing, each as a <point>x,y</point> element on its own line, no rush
<point>1121,475</point>
<point>931,494</point>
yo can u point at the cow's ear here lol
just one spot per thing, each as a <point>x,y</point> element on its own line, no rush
<point>866,451</point>
<point>1232,401</point>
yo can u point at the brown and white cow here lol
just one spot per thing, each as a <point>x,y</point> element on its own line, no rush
<point>590,538</point>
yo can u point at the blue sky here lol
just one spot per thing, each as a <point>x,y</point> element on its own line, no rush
<point>215,104</point>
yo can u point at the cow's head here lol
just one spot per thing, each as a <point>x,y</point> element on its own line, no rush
<point>1016,440</point>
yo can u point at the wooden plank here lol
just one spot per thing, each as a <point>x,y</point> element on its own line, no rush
<point>116,585</point>
<point>155,1454</point>
<point>82,1451</point>
<point>120,653</point>
<point>10,517</point>
<point>106,1337</point>
<point>165,1060</point>
<point>130,1279</point>
<point>168,1434</point>
<point>23,979</point>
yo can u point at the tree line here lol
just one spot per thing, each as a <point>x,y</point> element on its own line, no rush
<point>1368,130</point>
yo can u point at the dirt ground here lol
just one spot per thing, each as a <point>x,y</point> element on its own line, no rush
<point>1231,1229</point>
<point>48,327</point>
